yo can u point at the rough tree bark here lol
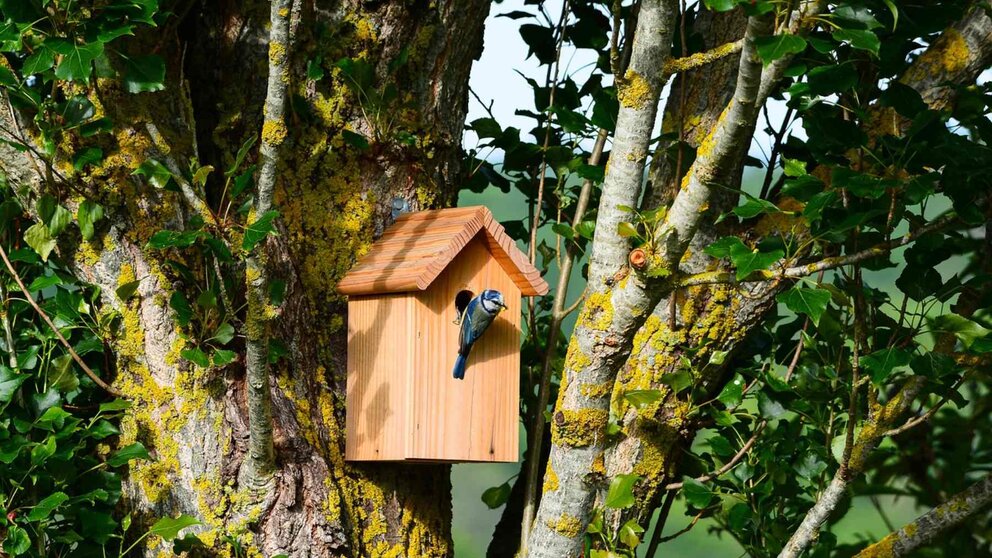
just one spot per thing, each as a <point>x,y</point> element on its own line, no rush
<point>334,198</point>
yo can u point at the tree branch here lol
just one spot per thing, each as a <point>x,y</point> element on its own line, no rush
<point>260,461</point>
<point>700,59</point>
<point>612,311</point>
<point>714,156</point>
<point>795,272</point>
<point>728,465</point>
<point>935,522</point>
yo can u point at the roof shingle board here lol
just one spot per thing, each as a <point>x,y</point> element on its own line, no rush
<point>415,249</point>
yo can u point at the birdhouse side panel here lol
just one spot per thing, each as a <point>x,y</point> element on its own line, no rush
<point>380,359</point>
<point>475,418</point>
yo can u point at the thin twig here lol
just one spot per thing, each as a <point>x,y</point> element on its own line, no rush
<point>728,465</point>
<point>684,530</point>
<point>27,295</point>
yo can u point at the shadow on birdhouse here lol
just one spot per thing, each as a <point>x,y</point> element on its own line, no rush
<point>404,300</point>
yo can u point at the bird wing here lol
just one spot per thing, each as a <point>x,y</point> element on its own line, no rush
<point>479,323</point>
<point>465,332</point>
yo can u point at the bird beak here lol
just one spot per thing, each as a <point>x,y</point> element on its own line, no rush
<point>502,306</point>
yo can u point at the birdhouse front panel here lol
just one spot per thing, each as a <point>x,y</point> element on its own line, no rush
<point>474,418</point>
<point>380,369</point>
<point>422,387</point>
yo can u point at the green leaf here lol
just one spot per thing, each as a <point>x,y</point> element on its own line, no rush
<point>769,408</point>
<point>97,525</point>
<point>723,247</point>
<point>733,393</point>
<point>641,398</point>
<point>144,74</point>
<point>59,220</point>
<point>620,495</point>
<point>696,493</point>
<point>630,534</point>
<point>258,230</point>
<point>486,128</point>
<point>196,356</point>
<point>859,38</point>
<point>223,357</point>
<point>880,364</point>
<point>42,451</point>
<point>10,381</point>
<point>677,380</point>
<point>775,47</point>
<point>128,453</point>
<point>358,141</point>
<point>962,328</point>
<point>754,207</point>
<point>42,59</point>
<point>184,312</point>
<point>88,213</point>
<point>168,528</point>
<point>103,429</point>
<point>77,59</point>
<point>810,467</point>
<point>563,230</point>
<point>175,239</point>
<point>811,302</point>
<point>794,167</point>
<point>43,282</point>
<point>17,541</point>
<point>127,290</point>
<point>224,334</point>
<point>157,174</point>
<point>38,237</point>
<point>748,260</point>
<point>115,405</point>
<point>627,230</point>
<point>496,496</point>
<point>720,5</point>
<point>88,156</point>
<point>45,507</point>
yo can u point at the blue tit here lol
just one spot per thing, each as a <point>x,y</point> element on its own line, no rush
<point>479,313</point>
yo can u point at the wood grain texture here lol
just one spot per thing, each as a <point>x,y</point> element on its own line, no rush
<point>380,365</point>
<point>419,246</point>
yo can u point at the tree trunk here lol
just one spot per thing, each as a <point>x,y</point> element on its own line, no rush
<point>335,195</point>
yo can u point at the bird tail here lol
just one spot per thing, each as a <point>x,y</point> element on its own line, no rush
<point>460,363</point>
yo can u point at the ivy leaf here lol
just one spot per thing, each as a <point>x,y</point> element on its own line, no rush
<point>794,168</point>
<point>770,409</point>
<point>258,230</point>
<point>168,528</point>
<point>77,59</point>
<point>880,364</point>
<point>772,48</point>
<point>812,302</point>
<point>59,220</point>
<point>748,260</point>
<point>128,453</point>
<point>144,74</point>
<point>496,496</point>
<point>45,507</point>
<point>810,467</point>
<point>40,240</point>
<point>42,59</point>
<point>859,38</point>
<point>88,213</point>
<point>696,493</point>
<point>621,492</point>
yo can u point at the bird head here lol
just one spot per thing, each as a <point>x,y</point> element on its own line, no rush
<point>492,301</point>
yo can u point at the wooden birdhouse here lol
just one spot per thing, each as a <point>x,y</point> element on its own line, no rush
<point>403,403</point>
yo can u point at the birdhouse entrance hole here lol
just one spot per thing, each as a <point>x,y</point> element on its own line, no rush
<point>461,301</point>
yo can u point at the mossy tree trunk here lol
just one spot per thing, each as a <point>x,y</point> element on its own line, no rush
<point>349,148</point>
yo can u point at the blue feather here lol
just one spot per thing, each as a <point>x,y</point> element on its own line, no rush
<point>475,320</point>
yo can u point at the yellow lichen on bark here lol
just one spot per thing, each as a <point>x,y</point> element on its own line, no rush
<point>635,91</point>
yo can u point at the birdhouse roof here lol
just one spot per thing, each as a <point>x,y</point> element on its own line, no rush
<point>418,246</point>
